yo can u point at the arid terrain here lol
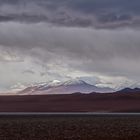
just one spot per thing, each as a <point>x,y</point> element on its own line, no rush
<point>70,128</point>
<point>115,102</point>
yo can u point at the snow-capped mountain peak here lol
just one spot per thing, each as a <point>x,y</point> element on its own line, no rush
<point>67,87</point>
<point>74,82</point>
<point>56,81</point>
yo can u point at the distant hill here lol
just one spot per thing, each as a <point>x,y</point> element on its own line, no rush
<point>129,90</point>
<point>116,102</point>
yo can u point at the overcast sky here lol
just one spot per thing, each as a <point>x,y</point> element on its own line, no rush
<point>94,40</point>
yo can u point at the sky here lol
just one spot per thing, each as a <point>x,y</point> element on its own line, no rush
<point>94,40</point>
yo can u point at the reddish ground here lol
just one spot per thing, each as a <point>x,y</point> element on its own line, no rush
<point>71,103</point>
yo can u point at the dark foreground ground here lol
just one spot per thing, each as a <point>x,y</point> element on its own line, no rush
<point>70,128</point>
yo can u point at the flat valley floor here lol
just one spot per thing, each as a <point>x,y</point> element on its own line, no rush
<point>69,127</point>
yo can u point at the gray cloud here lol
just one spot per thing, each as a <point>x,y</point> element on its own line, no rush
<point>83,13</point>
<point>28,72</point>
<point>75,51</point>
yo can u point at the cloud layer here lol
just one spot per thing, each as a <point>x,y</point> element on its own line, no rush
<point>84,13</point>
<point>50,39</point>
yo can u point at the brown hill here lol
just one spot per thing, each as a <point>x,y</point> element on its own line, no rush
<point>72,103</point>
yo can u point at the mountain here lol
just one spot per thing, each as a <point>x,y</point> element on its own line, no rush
<point>67,87</point>
<point>129,90</point>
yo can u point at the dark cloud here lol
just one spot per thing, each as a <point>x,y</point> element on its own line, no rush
<point>84,13</point>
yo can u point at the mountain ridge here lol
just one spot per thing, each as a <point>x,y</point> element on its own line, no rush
<point>129,90</point>
<point>66,87</point>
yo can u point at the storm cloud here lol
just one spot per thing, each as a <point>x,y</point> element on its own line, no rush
<point>84,13</point>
